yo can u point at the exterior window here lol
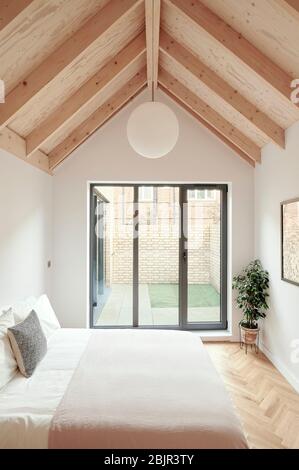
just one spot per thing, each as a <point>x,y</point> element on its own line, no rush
<point>125,208</point>
<point>202,195</point>
<point>146,194</point>
<point>147,205</point>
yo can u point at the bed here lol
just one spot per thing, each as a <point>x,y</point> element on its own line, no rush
<point>154,389</point>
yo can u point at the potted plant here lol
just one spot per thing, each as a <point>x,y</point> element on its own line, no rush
<point>252,286</point>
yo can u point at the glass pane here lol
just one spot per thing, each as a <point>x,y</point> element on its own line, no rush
<point>159,235</point>
<point>204,256</point>
<point>146,193</point>
<point>113,301</point>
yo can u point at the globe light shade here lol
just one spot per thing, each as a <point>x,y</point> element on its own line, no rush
<point>152,129</point>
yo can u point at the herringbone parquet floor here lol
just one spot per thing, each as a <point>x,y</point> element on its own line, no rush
<point>266,403</point>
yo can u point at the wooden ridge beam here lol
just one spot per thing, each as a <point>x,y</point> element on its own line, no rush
<point>152,27</point>
<point>219,86</point>
<point>63,56</point>
<point>10,9</point>
<point>16,145</point>
<point>205,124</point>
<point>204,18</point>
<point>214,119</point>
<point>86,93</point>
<point>97,119</point>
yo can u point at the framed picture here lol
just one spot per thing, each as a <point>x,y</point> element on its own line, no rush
<point>290,241</point>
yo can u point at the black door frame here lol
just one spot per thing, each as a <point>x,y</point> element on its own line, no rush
<point>183,253</point>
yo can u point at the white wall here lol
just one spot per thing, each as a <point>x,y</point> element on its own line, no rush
<point>107,157</point>
<point>25,230</point>
<point>277,180</point>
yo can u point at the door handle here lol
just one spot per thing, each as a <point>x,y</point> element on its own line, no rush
<point>185,255</point>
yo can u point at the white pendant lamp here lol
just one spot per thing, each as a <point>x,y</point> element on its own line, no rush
<point>152,128</point>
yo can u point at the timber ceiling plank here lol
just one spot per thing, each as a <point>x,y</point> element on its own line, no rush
<point>152,23</point>
<point>272,26</point>
<point>86,93</point>
<point>230,95</point>
<point>87,64</point>
<point>209,115</point>
<point>228,66</point>
<point>204,18</point>
<point>208,126</point>
<point>213,100</point>
<point>10,9</point>
<point>38,31</point>
<point>97,119</point>
<point>84,113</point>
<point>97,26</point>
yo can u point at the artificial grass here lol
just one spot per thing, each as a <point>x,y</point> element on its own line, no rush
<point>167,295</point>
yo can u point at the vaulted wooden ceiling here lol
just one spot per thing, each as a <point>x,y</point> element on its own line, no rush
<point>70,65</point>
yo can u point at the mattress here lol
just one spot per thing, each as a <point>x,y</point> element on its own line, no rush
<point>175,386</point>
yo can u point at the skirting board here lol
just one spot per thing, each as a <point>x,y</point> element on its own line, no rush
<point>289,376</point>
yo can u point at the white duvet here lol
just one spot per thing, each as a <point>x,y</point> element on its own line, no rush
<point>27,406</point>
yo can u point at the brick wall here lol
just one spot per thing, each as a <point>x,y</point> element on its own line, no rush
<point>159,242</point>
<point>215,255</point>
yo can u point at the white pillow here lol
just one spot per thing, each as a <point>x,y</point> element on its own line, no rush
<point>46,316</point>
<point>22,309</point>
<point>8,365</point>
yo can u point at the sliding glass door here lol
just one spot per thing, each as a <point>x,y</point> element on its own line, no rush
<point>111,248</point>
<point>158,256</point>
<point>205,263</point>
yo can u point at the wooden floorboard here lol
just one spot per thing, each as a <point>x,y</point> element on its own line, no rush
<point>266,403</point>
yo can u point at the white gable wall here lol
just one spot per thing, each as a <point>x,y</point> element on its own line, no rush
<point>107,157</point>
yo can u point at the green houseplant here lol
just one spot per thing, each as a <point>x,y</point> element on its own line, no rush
<point>252,286</point>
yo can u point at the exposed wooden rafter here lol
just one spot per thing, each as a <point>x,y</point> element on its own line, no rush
<point>219,86</point>
<point>210,116</point>
<point>208,126</point>
<point>98,118</point>
<point>13,143</point>
<point>86,93</point>
<point>258,62</point>
<point>9,9</point>
<point>152,24</point>
<point>30,85</point>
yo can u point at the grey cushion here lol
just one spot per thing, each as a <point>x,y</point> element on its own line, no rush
<point>28,343</point>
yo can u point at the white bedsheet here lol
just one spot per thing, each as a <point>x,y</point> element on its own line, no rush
<point>27,406</point>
